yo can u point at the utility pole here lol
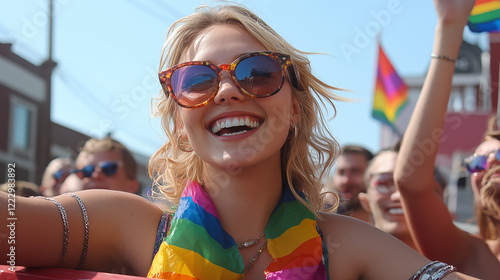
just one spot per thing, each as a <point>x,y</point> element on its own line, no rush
<point>51,28</point>
<point>43,155</point>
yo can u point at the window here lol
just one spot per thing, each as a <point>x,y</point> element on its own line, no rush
<point>455,103</point>
<point>470,99</point>
<point>21,123</point>
<point>22,129</point>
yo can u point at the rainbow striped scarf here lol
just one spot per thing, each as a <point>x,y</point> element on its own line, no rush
<point>197,247</point>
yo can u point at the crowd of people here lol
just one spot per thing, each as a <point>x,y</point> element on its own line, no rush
<point>243,165</point>
<point>101,164</point>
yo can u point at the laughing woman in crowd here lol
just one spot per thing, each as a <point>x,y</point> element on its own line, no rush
<point>247,148</point>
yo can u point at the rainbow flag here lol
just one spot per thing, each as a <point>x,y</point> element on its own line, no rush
<point>390,92</point>
<point>485,16</point>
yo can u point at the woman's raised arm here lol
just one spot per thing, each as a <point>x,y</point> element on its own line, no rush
<point>427,216</point>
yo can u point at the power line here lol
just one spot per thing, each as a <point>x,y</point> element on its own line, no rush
<point>77,89</point>
<point>90,100</point>
<point>153,12</point>
<point>20,43</point>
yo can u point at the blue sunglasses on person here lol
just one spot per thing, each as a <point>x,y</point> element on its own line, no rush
<point>108,168</point>
<point>478,163</point>
<point>61,174</point>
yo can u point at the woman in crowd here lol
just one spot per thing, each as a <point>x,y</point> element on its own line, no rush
<point>247,147</point>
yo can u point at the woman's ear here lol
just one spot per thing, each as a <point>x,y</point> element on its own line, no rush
<point>295,112</point>
<point>179,127</point>
<point>363,200</point>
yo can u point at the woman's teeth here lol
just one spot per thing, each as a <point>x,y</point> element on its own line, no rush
<point>396,211</point>
<point>234,126</point>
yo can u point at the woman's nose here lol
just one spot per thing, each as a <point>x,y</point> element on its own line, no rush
<point>491,159</point>
<point>228,91</point>
<point>395,196</point>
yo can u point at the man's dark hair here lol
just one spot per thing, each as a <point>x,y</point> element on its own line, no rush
<point>356,149</point>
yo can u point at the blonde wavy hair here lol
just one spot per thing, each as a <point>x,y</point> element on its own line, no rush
<point>304,158</point>
<point>492,130</point>
<point>488,213</point>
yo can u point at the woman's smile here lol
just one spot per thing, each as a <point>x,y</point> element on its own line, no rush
<point>228,126</point>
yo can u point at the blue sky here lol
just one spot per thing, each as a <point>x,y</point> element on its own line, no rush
<point>108,54</point>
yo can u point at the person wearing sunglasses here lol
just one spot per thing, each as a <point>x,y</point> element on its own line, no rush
<point>246,136</point>
<point>382,199</point>
<point>106,164</point>
<point>486,156</point>
<point>428,218</point>
<point>54,176</point>
<point>246,149</point>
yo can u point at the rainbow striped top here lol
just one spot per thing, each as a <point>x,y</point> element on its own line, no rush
<point>197,247</point>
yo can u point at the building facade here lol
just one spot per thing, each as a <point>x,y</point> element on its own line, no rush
<point>28,137</point>
<point>24,115</point>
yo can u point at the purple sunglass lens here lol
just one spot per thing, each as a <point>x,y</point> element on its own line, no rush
<point>476,164</point>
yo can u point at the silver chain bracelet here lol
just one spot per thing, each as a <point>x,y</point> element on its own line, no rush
<point>65,226</point>
<point>86,224</point>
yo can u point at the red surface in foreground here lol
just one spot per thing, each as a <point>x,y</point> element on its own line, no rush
<point>23,273</point>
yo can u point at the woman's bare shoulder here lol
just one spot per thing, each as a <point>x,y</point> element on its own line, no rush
<point>341,226</point>
<point>359,250</point>
<point>119,204</point>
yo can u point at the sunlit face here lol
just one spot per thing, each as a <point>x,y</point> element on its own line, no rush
<point>382,199</point>
<point>237,147</point>
<point>50,184</point>
<point>484,148</point>
<point>348,180</point>
<point>71,184</point>
<point>99,180</point>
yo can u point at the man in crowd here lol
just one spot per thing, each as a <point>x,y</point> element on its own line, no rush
<point>54,175</point>
<point>107,164</point>
<point>348,180</point>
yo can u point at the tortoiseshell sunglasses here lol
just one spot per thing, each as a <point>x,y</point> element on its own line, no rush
<point>258,74</point>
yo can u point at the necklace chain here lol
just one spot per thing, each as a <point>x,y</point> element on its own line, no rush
<point>254,258</point>
<point>249,242</point>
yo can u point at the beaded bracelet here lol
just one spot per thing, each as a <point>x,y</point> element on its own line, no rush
<point>65,226</point>
<point>86,224</point>
<point>443,57</point>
